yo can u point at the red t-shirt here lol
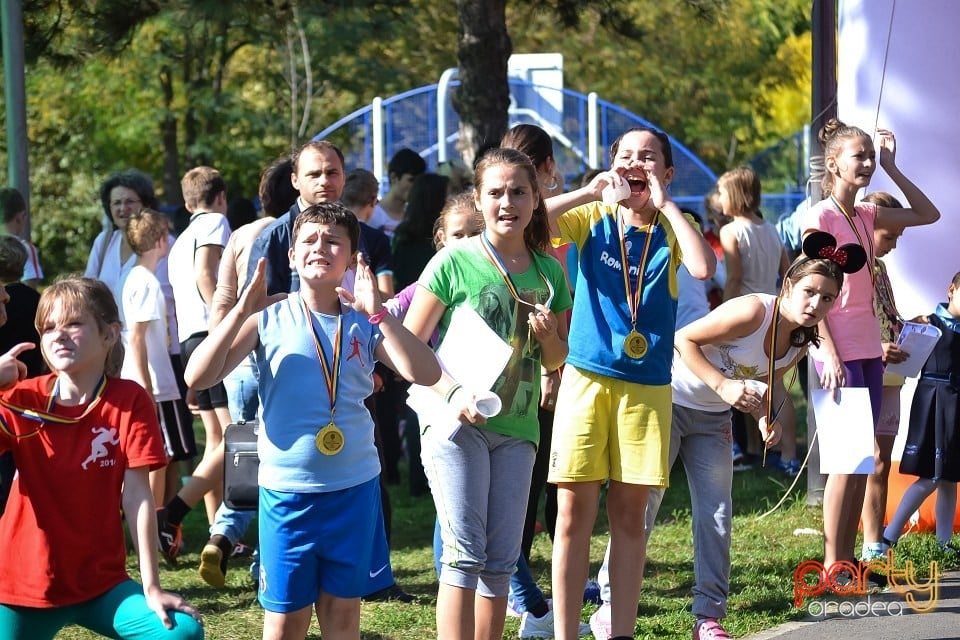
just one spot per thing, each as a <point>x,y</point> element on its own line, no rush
<point>61,536</point>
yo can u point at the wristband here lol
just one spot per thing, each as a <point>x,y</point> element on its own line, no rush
<point>452,390</point>
<point>378,317</point>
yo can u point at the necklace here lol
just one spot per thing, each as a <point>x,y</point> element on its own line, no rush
<point>771,375</point>
<point>870,253</point>
<point>494,257</point>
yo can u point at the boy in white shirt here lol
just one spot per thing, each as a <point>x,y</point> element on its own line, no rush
<point>193,265</point>
<point>146,336</point>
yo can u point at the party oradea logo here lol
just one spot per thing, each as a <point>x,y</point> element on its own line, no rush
<point>813,584</point>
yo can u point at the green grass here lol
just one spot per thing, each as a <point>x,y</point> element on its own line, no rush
<point>764,555</point>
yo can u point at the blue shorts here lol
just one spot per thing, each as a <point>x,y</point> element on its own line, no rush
<point>317,542</point>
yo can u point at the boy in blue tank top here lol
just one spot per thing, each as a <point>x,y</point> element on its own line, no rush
<point>319,491</point>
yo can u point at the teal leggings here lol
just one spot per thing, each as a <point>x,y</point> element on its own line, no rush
<point>121,613</point>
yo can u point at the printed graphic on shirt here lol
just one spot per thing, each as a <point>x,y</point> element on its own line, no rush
<point>98,446</point>
<point>355,350</point>
<point>508,319</point>
<point>732,369</point>
<point>613,262</point>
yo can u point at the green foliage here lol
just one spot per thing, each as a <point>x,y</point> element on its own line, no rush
<point>727,77</point>
<point>716,79</point>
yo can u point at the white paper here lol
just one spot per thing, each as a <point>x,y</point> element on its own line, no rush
<point>918,340</point>
<point>845,430</point>
<point>467,336</point>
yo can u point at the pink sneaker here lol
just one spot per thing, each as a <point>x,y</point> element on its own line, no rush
<point>600,622</point>
<point>709,629</point>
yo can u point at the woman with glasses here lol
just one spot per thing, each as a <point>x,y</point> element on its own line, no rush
<point>123,194</point>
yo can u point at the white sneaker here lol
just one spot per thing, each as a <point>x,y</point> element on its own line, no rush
<point>600,623</point>
<point>533,627</point>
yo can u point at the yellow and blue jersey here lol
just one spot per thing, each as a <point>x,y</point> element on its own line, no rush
<point>601,313</point>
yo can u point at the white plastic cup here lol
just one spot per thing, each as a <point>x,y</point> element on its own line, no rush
<point>756,385</point>
<point>611,194</point>
<point>488,404</point>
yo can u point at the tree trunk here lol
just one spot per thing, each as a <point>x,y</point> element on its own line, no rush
<point>168,135</point>
<point>482,100</point>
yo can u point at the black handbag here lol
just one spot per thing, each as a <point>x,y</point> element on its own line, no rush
<point>240,466</point>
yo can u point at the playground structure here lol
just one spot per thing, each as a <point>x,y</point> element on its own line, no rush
<point>582,127</point>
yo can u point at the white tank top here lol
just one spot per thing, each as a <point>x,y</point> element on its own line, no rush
<point>739,359</point>
<point>760,249</point>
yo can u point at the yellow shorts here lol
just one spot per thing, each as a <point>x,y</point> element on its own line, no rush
<point>608,428</point>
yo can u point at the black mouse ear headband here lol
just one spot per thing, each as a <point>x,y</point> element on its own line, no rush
<point>849,257</point>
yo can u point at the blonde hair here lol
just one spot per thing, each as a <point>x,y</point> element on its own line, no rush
<point>882,199</point>
<point>743,189</point>
<point>145,229</point>
<point>78,295</point>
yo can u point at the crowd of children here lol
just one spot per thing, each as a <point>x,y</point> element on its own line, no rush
<point>601,391</point>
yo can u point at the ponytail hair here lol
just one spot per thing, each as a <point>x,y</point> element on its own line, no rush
<point>831,138</point>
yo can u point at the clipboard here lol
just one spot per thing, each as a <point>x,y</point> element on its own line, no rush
<point>918,340</point>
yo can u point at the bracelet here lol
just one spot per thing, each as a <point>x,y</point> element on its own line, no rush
<point>378,317</point>
<point>452,390</point>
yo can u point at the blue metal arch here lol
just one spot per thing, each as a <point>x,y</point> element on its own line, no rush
<point>410,120</point>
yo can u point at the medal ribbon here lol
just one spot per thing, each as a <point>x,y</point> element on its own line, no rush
<point>771,374</point>
<point>870,253</point>
<point>46,416</point>
<point>331,370</point>
<point>633,300</point>
<point>494,257</point>
<point>885,297</point>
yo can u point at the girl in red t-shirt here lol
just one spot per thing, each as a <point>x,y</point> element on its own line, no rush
<point>83,442</point>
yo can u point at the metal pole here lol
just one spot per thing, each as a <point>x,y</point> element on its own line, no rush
<point>18,171</point>
<point>593,131</point>
<point>443,91</point>
<point>823,107</point>
<point>378,142</point>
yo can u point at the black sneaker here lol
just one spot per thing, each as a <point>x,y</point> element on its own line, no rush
<point>170,537</point>
<point>393,593</point>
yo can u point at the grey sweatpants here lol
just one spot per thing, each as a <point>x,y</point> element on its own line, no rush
<point>702,439</point>
<point>480,481</point>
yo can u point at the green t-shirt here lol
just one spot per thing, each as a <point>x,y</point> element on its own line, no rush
<point>462,274</point>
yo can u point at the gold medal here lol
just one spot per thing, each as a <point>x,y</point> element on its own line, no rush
<point>330,440</point>
<point>635,345</point>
